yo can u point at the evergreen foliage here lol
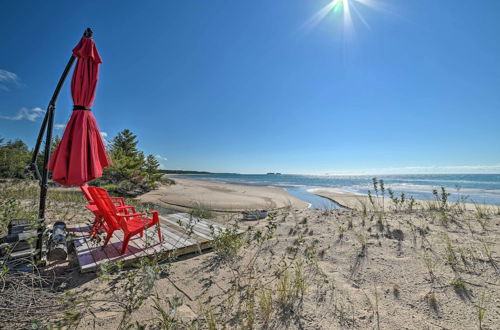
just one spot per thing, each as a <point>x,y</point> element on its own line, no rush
<point>131,172</point>
<point>14,157</point>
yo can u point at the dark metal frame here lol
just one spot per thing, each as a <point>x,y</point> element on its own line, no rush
<point>47,128</point>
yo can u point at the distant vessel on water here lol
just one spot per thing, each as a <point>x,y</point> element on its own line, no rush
<point>272,173</point>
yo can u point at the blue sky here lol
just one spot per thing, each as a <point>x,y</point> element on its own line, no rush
<point>259,86</point>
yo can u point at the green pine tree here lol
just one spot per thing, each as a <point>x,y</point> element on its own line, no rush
<point>125,143</point>
<point>151,167</point>
<point>14,157</point>
<point>131,172</point>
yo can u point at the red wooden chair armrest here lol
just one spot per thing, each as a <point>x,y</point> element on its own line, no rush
<point>91,207</point>
<point>126,207</point>
<point>154,213</point>
<point>131,215</point>
<point>120,201</point>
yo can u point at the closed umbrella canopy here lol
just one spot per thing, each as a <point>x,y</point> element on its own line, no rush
<point>81,155</point>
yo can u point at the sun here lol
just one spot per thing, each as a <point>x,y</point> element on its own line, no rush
<point>342,9</point>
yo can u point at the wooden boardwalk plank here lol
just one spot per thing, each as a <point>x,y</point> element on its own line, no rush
<point>177,241</point>
<point>100,254</point>
<point>113,249</point>
<point>183,243</point>
<point>150,242</point>
<point>201,224</point>
<point>176,235</point>
<point>81,247</point>
<point>192,243</point>
<point>135,248</point>
<point>204,225</point>
<point>181,232</point>
<point>96,250</point>
<point>83,250</point>
<point>203,233</point>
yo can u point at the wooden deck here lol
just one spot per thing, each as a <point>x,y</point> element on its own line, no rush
<point>182,234</point>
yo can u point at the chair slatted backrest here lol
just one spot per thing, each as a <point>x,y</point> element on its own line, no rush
<point>85,189</point>
<point>106,206</point>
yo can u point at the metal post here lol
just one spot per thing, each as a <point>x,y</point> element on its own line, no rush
<point>33,166</point>
<point>48,124</point>
<point>50,109</point>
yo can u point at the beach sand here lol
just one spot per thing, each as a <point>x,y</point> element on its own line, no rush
<point>343,198</point>
<point>343,271</point>
<point>296,269</point>
<point>188,193</point>
<point>357,201</point>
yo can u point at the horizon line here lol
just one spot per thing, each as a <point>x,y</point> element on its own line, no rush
<point>330,174</point>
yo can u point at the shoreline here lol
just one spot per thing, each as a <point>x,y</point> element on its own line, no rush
<point>216,196</point>
<point>476,190</point>
<point>309,205</point>
<point>315,190</point>
<point>353,201</point>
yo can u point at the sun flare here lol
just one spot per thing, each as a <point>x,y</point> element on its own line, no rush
<point>341,9</point>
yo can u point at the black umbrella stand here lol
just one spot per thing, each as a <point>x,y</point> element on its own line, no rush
<point>47,128</point>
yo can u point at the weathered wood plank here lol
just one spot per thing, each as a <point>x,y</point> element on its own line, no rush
<point>103,254</point>
<point>208,223</point>
<point>204,225</point>
<point>182,232</point>
<point>196,229</point>
<point>97,251</point>
<point>176,241</point>
<point>149,242</point>
<point>176,236</point>
<point>113,249</point>
<point>201,224</point>
<point>134,250</point>
<point>85,258</point>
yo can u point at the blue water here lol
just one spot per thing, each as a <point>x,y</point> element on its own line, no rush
<point>478,188</point>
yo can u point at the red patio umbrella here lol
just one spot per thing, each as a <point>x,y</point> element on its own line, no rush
<point>81,155</point>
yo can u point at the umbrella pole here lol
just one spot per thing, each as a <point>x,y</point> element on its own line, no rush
<point>47,126</point>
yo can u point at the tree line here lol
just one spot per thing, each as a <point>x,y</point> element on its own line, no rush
<point>132,172</point>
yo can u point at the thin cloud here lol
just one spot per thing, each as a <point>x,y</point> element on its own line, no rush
<point>162,161</point>
<point>8,79</point>
<point>26,114</point>
<point>104,135</point>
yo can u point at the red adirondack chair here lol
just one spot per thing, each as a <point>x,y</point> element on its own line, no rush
<point>131,224</point>
<point>119,202</point>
